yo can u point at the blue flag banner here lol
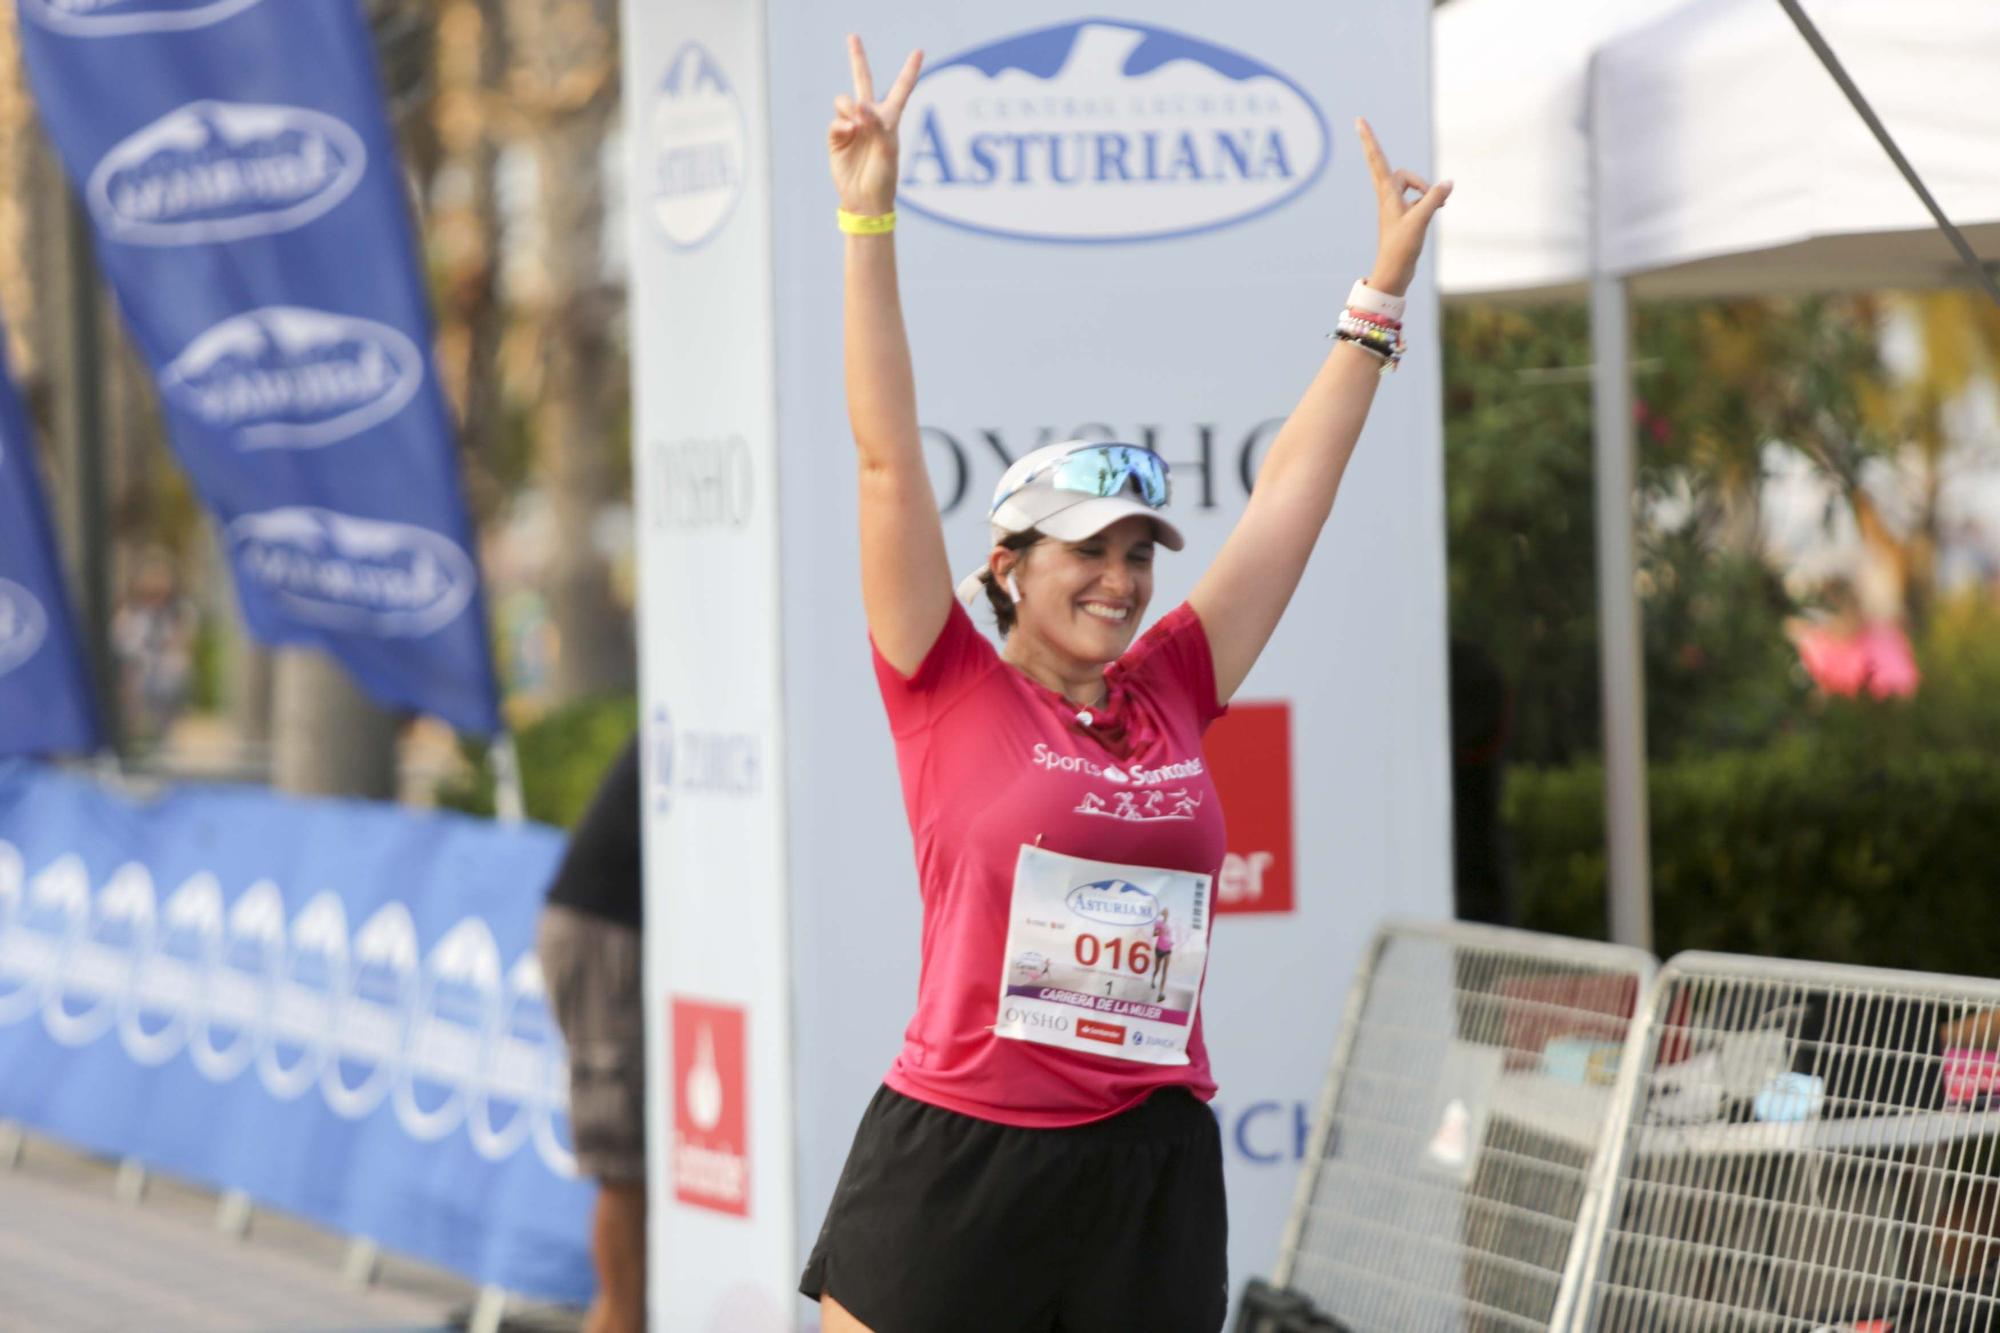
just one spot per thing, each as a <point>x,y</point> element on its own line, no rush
<point>238,167</point>
<point>332,1006</point>
<point>46,705</point>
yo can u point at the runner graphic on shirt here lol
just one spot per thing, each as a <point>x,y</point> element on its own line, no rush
<point>1146,808</point>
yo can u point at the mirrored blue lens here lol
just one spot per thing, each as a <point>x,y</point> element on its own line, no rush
<point>1106,470</point>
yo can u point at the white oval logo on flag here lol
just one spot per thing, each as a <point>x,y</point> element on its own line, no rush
<point>1102,131</point>
<point>361,575</point>
<point>23,625</point>
<point>121,18</point>
<point>699,145</point>
<point>224,171</point>
<point>286,378</point>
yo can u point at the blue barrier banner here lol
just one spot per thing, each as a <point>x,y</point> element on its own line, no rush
<point>238,168</point>
<point>331,1005</point>
<point>46,706</point>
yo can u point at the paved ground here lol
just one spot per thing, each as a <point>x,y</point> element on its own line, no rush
<point>76,1259</point>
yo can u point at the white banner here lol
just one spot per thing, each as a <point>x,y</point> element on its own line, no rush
<point>718,975</point>
<point>1114,229</point>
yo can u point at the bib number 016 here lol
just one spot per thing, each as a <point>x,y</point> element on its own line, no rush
<point>1135,956</point>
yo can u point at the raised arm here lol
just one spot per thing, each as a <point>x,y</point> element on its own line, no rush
<point>906,584</point>
<point>1244,593</point>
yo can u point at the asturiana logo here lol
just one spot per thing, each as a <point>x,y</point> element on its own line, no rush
<point>223,171</point>
<point>23,625</point>
<point>1114,902</point>
<point>286,378</point>
<point>358,574</point>
<point>1104,130</point>
<point>699,144</point>
<point>122,18</point>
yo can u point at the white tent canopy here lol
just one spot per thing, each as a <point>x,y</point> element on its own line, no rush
<point>1731,161</point>
<point>1690,148</point>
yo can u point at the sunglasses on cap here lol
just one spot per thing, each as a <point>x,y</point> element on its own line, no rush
<point>1102,470</point>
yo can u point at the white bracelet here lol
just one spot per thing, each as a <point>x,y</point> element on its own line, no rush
<point>1364,297</point>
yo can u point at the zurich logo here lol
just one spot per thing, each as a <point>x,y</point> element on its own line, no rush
<point>1114,902</point>
<point>663,760</point>
<point>699,144</point>
<point>286,378</point>
<point>357,574</point>
<point>23,625</point>
<point>1103,130</point>
<point>120,18</point>
<point>224,171</point>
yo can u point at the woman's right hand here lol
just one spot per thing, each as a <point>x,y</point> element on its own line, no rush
<point>861,142</point>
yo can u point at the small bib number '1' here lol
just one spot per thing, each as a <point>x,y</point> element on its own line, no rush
<point>1104,958</point>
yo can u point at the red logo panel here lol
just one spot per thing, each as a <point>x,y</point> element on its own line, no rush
<point>711,1154</point>
<point>1249,754</point>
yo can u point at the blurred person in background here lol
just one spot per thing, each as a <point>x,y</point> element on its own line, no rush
<point>589,944</point>
<point>153,637</point>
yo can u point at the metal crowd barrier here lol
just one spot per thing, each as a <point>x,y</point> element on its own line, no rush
<point>1804,1147</point>
<point>1465,1117</point>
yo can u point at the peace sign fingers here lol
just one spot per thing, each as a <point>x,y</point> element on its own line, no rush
<point>899,92</point>
<point>1403,221</point>
<point>861,142</point>
<point>1378,165</point>
<point>864,81</point>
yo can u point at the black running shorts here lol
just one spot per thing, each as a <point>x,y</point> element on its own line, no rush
<point>943,1222</point>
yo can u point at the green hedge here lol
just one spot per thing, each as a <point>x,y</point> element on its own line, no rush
<point>563,756</point>
<point>1807,849</point>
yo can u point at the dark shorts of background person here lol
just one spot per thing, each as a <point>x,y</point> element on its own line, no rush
<point>591,965</point>
<point>944,1221</point>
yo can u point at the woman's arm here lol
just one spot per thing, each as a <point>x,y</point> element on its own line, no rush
<point>906,585</point>
<point>1242,595</point>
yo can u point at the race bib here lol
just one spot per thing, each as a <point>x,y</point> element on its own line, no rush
<point>1104,958</point>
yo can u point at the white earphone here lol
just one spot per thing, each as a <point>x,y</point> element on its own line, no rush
<point>1013,588</point>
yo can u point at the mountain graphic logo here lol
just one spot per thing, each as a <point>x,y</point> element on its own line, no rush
<point>124,18</point>
<point>698,144</point>
<point>289,378</point>
<point>362,575</point>
<point>23,625</point>
<point>1114,902</point>
<point>1106,131</point>
<point>225,171</point>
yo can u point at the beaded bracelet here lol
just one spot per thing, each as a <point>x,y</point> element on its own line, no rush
<point>1384,344</point>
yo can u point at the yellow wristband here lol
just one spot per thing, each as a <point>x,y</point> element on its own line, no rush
<point>866,224</point>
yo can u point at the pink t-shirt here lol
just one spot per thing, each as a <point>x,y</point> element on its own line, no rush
<point>991,760</point>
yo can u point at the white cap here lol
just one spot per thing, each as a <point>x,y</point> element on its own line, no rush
<point>1068,516</point>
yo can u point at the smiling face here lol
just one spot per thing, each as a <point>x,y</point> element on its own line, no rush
<point>1082,601</point>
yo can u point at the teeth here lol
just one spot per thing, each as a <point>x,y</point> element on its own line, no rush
<point>1102,612</point>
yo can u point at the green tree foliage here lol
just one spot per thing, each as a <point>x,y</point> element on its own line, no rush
<point>1517,489</point>
<point>1865,834</point>
<point>564,755</point>
<point>1522,527</point>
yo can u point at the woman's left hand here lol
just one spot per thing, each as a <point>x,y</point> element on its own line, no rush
<point>1403,220</point>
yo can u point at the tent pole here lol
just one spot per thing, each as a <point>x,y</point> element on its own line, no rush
<point>1620,630</point>
<point>1629,909</point>
<point>1810,31</point>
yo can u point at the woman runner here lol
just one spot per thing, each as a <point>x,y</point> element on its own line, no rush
<point>1039,1157</point>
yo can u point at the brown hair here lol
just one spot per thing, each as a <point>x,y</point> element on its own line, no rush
<point>996,596</point>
